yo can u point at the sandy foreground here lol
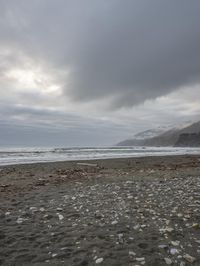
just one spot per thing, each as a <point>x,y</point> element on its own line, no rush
<point>139,211</point>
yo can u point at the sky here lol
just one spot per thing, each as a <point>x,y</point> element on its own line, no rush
<point>85,73</point>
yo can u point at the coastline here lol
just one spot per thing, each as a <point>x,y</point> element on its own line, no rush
<point>117,212</point>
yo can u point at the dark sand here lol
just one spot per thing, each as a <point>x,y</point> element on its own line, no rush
<point>140,211</point>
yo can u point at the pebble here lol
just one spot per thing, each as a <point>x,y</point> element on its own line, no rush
<point>131,253</point>
<point>175,243</point>
<point>173,251</point>
<point>168,261</point>
<point>60,216</point>
<point>189,258</point>
<point>20,220</point>
<point>140,259</point>
<point>33,209</point>
<point>163,246</point>
<point>99,260</point>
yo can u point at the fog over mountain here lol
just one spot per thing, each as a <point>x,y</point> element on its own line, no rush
<point>180,136</point>
<point>95,72</point>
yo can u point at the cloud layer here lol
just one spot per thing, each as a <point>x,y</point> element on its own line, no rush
<point>89,72</point>
<point>127,51</point>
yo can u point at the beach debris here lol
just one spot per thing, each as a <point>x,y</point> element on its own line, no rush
<point>189,258</point>
<point>54,255</point>
<point>88,164</point>
<point>114,222</point>
<point>168,261</point>
<point>99,260</point>
<point>7,213</point>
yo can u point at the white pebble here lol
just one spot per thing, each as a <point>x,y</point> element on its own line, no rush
<point>131,253</point>
<point>168,261</point>
<point>99,260</point>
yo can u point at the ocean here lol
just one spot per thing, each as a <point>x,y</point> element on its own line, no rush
<point>9,156</point>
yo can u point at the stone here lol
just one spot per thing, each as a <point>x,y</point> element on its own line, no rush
<point>168,261</point>
<point>140,259</point>
<point>173,251</point>
<point>163,246</point>
<point>189,258</point>
<point>175,243</point>
<point>131,253</point>
<point>99,260</point>
<point>60,216</point>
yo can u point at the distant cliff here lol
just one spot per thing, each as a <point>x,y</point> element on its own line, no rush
<point>172,137</point>
<point>188,140</point>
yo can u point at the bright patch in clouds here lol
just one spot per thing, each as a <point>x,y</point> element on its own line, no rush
<point>33,79</point>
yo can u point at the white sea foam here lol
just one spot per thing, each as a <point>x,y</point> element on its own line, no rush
<point>10,156</point>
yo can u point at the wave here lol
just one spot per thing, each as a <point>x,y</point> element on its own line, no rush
<point>37,154</point>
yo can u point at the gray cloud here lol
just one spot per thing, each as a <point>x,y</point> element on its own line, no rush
<point>128,51</point>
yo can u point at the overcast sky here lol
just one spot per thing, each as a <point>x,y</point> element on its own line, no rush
<point>95,72</point>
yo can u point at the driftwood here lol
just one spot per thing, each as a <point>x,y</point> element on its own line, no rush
<point>88,164</point>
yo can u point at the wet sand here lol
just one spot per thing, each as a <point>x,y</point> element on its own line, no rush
<point>136,211</point>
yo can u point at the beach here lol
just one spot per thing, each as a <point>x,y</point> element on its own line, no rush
<point>130,211</point>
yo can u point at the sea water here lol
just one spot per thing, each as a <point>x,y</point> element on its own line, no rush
<point>10,156</point>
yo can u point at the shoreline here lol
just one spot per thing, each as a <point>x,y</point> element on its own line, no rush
<point>151,157</point>
<point>128,211</point>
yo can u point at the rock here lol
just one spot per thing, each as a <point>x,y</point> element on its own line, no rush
<point>140,259</point>
<point>175,243</point>
<point>59,209</point>
<point>20,220</point>
<point>131,253</point>
<point>168,261</point>
<point>99,260</point>
<point>60,216</point>
<point>33,209</point>
<point>163,246</point>
<point>169,229</point>
<point>173,251</point>
<point>189,258</point>
<point>196,226</point>
<point>136,227</point>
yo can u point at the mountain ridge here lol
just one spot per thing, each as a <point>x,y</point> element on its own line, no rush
<point>167,138</point>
